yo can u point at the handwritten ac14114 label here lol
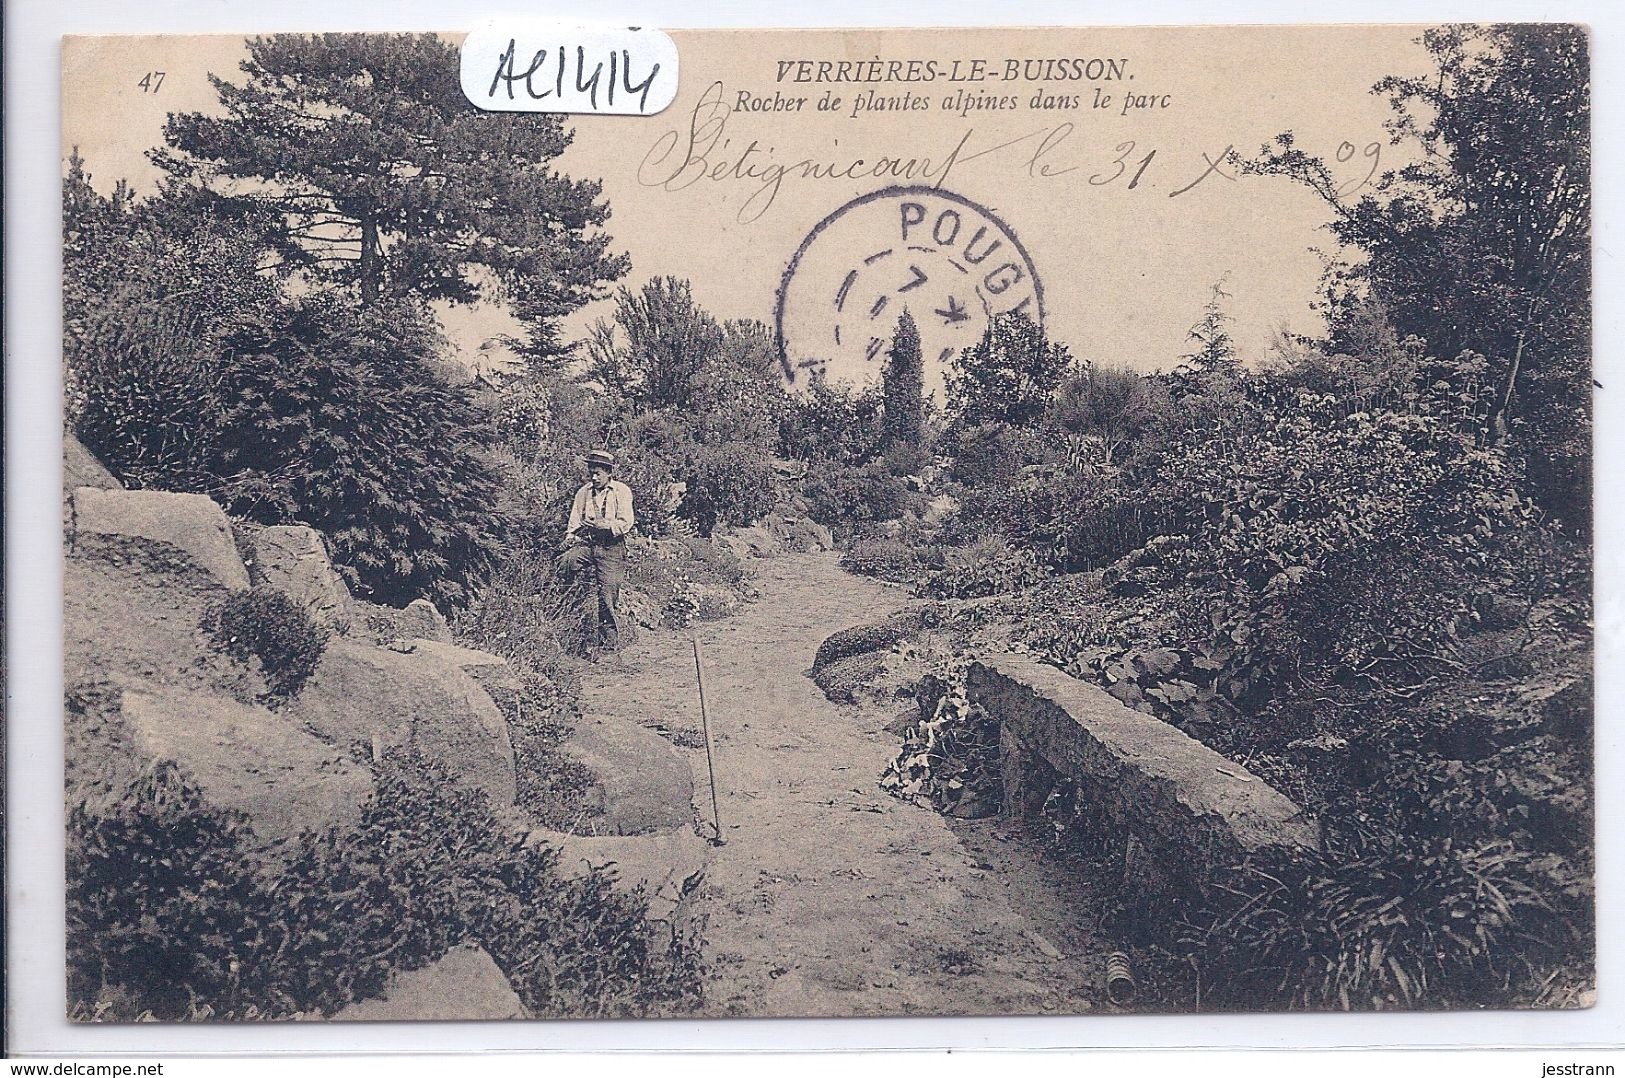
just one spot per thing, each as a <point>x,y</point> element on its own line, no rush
<point>545,67</point>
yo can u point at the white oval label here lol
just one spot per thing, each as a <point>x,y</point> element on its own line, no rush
<point>546,67</point>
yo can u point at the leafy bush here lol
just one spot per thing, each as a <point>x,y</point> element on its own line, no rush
<point>164,909</point>
<point>1009,376</point>
<point>832,425</point>
<point>266,624</point>
<point>950,759</point>
<point>885,559</point>
<point>148,291</point>
<point>727,484</point>
<point>841,496</point>
<point>339,420</point>
<point>171,913</point>
<point>990,566</point>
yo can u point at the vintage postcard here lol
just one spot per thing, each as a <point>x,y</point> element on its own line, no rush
<point>615,523</point>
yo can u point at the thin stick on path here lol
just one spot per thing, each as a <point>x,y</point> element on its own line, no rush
<point>705,728</point>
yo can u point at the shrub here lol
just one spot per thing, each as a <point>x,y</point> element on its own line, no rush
<point>164,908</point>
<point>727,484</point>
<point>884,559</point>
<point>1426,924</point>
<point>990,566</point>
<point>339,420</point>
<point>148,291</point>
<point>265,624</point>
<point>843,495</point>
<point>526,614</point>
<point>1009,376</point>
<point>950,759</point>
<point>172,914</point>
<point>832,425</point>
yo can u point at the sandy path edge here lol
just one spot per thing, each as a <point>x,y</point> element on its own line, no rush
<point>831,898</point>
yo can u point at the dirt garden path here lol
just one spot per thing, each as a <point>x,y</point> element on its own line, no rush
<point>831,898</point>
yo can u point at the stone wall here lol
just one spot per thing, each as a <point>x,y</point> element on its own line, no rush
<point>1172,808</point>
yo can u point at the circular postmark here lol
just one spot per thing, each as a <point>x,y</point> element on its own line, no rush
<point>949,262</point>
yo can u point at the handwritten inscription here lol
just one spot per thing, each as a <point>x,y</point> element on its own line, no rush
<point>705,152</point>
<point>574,70</point>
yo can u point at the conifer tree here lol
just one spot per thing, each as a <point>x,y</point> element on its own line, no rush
<point>388,185</point>
<point>903,386</point>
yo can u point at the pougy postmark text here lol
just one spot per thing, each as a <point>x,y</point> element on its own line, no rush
<point>951,263</point>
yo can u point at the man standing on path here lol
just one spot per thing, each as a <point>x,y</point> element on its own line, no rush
<point>600,520</point>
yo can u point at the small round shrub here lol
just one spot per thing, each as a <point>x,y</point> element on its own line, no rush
<point>989,566</point>
<point>883,558</point>
<point>727,484</point>
<point>265,624</point>
<point>842,495</point>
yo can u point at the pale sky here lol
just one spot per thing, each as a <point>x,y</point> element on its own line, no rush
<point>1125,271</point>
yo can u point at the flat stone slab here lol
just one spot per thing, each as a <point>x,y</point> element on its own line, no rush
<point>464,985</point>
<point>250,759</point>
<point>1185,804</point>
<point>157,529</point>
<point>420,696</point>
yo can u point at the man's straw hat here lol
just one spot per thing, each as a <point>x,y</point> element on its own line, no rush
<point>600,457</point>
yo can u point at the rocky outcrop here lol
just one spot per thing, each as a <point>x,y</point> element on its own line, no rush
<point>247,759</point>
<point>291,557</point>
<point>646,784</point>
<point>418,695</point>
<point>185,534</point>
<point>464,985</point>
<point>80,468</point>
<point>1178,809</point>
<point>423,620</point>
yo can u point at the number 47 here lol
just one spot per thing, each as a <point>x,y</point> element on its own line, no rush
<point>151,81</point>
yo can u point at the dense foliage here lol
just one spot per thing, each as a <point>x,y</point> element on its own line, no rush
<point>1484,244</point>
<point>148,291</point>
<point>174,912</point>
<point>266,625</point>
<point>338,419</point>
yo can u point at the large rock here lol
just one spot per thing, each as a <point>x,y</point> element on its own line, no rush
<point>647,785</point>
<point>1179,809</point>
<point>414,696</point>
<point>184,534</point>
<point>422,619</point>
<point>666,866</point>
<point>291,557</point>
<point>464,985</point>
<point>248,758</point>
<point>80,468</point>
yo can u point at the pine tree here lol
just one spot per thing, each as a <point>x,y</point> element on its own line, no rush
<point>388,185</point>
<point>903,387</point>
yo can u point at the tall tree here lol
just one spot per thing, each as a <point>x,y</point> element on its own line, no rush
<point>1483,244</point>
<point>388,184</point>
<point>1009,376</point>
<point>655,346</point>
<point>903,386</point>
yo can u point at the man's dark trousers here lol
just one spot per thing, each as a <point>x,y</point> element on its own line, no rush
<point>608,563</point>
